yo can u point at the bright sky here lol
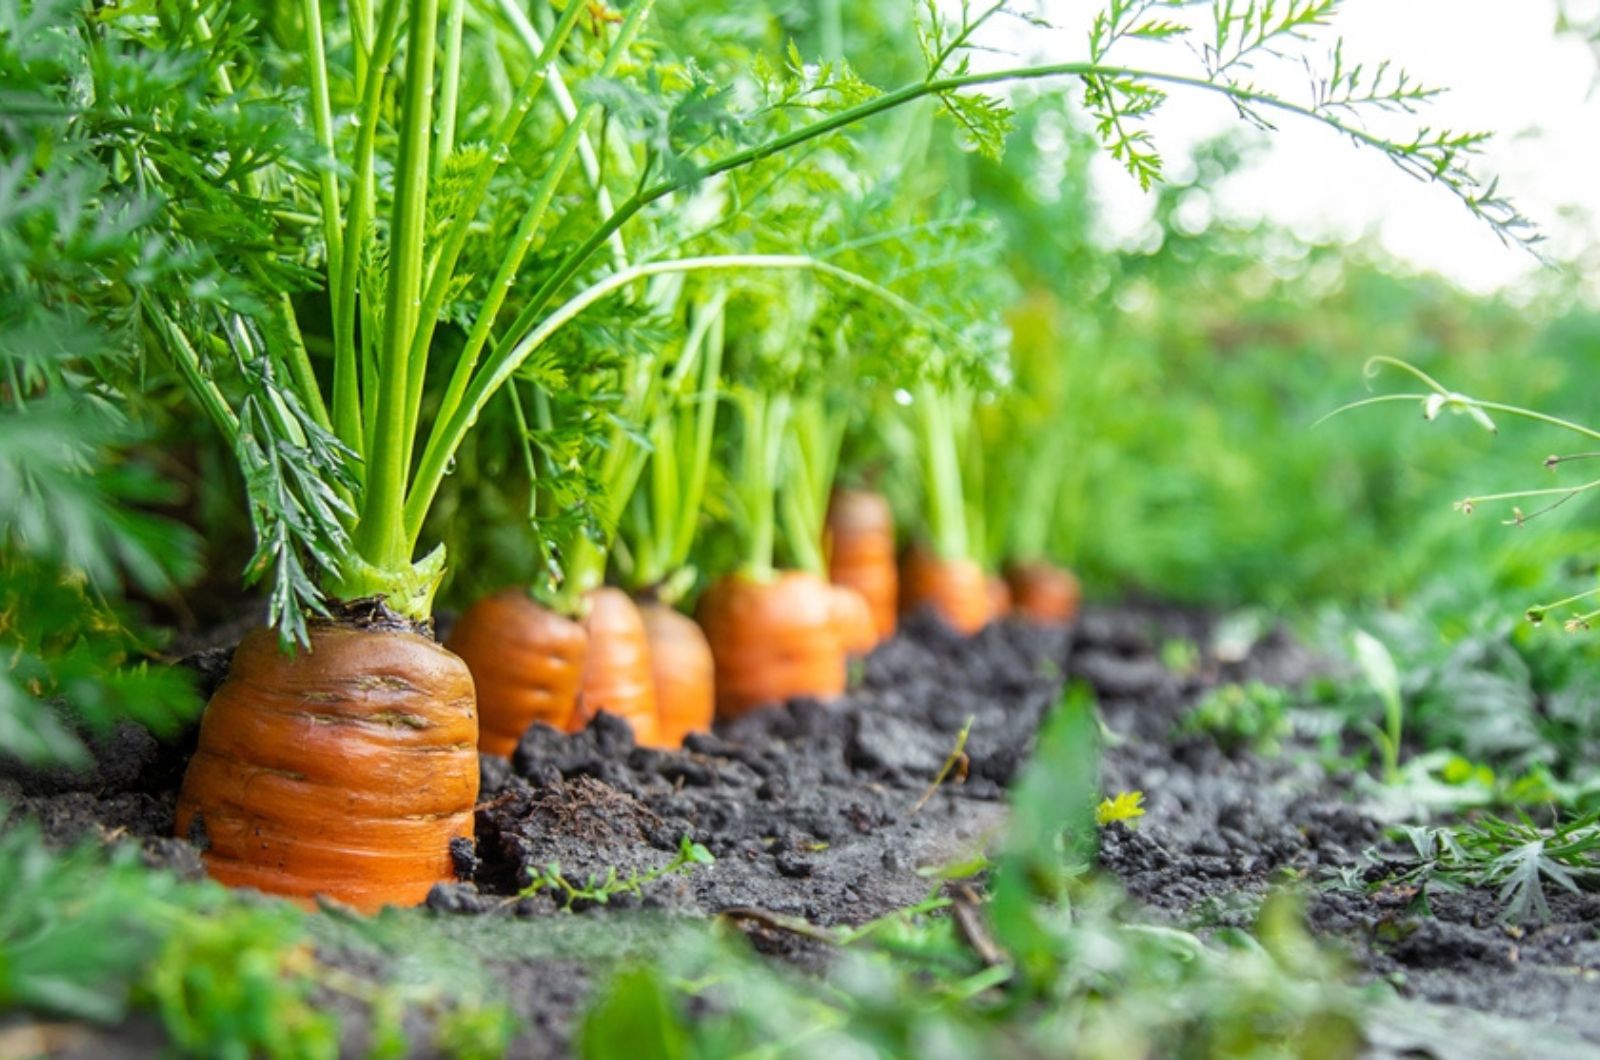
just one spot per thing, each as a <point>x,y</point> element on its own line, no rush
<point>1507,73</point>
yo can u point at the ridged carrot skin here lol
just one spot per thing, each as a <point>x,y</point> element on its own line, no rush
<point>683,672</point>
<point>955,589</point>
<point>860,545</point>
<point>1044,593</point>
<point>853,618</point>
<point>617,676</point>
<point>527,662</point>
<point>772,639</point>
<point>342,771</point>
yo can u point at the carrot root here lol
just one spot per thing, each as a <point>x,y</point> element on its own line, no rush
<point>683,672</point>
<point>1044,593</point>
<point>772,640</point>
<point>954,589</point>
<point>343,771</point>
<point>861,554</point>
<point>527,662</point>
<point>617,678</point>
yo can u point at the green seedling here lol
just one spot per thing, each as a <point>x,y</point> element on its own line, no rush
<point>601,889</point>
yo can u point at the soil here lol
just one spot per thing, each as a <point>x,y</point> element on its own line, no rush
<point>823,811</point>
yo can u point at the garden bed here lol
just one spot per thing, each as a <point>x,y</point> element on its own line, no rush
<point>825,813</point>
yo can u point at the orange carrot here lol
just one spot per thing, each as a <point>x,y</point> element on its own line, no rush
<point>853,618</point>
<point>772,639</point>
<point>344,771</point>
<point>1044,593</point>
<point>860,542</point>
<point>1000,599</point>
<point>683,672</point>
<point>955,589</point>
<point>617,677</point>
<point>527,662</point>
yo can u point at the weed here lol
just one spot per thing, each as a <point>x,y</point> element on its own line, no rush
<point>1127,806</point>
<point>1517,858</point>
<point>1251,715</point>
<point>601,889</point>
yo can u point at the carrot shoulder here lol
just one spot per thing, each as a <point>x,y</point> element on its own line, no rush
<point>955,589</point>
<point>772,639</point>
<point>860,544</point>
<point>683,672</point>
<point>617,677</point>
<point>1044,593</point>
<point>853,618</point>
<point>527,662</point>
<point>343,771</point>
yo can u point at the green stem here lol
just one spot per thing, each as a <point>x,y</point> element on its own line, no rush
<point>298,363</point>
<point>1034,501</point>
<point>569,107</point>
<point>380,535</point>
<point>705,422</point>
<point>807,483</point>
<point>322,124</point>
<point>443,266</point>
<point>941,477</point>
<point>188,363</point>
<point>765,420</point>
<point>450,80</point>
<point>347,395</point>
<point>448,433</point>
<point>522,242</point>
<point>526,446</point>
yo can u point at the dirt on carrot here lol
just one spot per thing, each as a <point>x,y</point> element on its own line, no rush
<point>617,676</point>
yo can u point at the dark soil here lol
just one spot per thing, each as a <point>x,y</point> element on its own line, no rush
<point>812,811</point>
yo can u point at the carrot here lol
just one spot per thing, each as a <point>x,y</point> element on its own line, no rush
<point>860,536</point>
<point>772,639</point>
<point>1001,601</point>
<point>955,589</point>
<point>617,677</point>
<point>853,620</point>
<point>527,662</point>
<point>342,771</point>
<point>1044,593</point>
<point>683,672</point>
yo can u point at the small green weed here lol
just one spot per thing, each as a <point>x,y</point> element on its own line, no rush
<point>1516,857</point>
<point>1252,715</point>
<point>601,889</point>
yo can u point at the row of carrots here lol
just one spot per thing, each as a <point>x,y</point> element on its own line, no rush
<point>756,642</point>
<point>349,771</point>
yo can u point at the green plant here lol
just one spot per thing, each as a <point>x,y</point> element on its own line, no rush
<point>1517,857</point>
<point>237,981</point>
<point>601,889</point>
<point>77,532</point>
<point>1434,398</point>
<point>341,476</point>
<point>1377,665</point>
<point>1252,715</point>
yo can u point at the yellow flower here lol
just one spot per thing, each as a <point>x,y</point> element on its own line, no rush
<point>1125,807</point>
